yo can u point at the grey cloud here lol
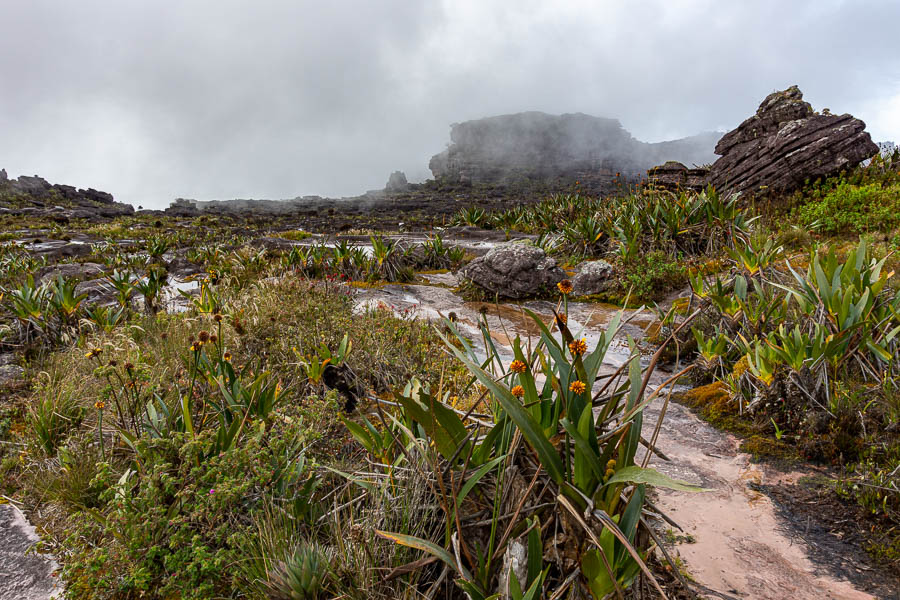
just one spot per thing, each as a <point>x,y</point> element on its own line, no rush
<point>218,99</point>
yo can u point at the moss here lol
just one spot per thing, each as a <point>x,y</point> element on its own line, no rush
<point>295,235</point>
<point>761,447</point>
<point>714,403</point>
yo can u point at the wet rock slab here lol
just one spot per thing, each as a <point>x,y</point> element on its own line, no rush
<point>24,573</point>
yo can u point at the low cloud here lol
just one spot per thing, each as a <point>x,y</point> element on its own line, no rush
<point>222,99</point>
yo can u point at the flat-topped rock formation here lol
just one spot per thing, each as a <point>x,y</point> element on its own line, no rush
<point>535,145</point>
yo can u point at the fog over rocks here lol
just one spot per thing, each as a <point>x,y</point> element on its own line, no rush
<point>207,99</point>
<point>539,146</point>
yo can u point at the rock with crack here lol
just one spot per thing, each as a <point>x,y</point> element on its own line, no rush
<point>514,270</point>
<point>592,278</point>
<point>786,143</point>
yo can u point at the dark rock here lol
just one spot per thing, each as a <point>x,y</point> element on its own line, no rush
<point>592,278</point>
<point>514,270</point>
<point>674,175</point>
<point>181,268</point>
<point>99,291</point>
<point>68,271</point>
<point>54,250</point>
<point>786,143</point>
<point>37,192</point>
<point>397,182</point>
<point>273,244</point>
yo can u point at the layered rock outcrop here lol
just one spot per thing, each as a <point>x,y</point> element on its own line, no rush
<point>674,175</point>
<point>535,145</point>
<point>786,143</point>
<point>35,195</point>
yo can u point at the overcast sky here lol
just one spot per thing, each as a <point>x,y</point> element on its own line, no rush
<point>151,100</point>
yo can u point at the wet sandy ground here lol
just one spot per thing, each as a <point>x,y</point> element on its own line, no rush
<point>740,546</point>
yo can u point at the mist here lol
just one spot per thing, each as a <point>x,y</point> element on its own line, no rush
<point>226,99</point>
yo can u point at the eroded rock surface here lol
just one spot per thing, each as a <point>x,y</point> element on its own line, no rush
<point>514,270</point>
<point>785,143</point>
<point>24,574</point>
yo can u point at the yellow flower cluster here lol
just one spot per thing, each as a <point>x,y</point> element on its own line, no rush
<point>578,347</point>
<point>517,366</point>
<point>577,387</point>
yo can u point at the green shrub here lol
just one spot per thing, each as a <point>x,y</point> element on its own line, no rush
<point>652,274</point>
<point>850,209</point>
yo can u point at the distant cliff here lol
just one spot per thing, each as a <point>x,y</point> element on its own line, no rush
<point>536,145</point>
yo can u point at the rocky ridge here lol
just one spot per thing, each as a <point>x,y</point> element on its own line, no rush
<point>36,196</point>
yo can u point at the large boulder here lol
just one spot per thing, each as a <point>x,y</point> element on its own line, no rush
<point>592,278</point>
<point>786,143</point>
<point>514,270</point>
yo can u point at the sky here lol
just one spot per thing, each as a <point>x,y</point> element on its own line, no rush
<point>215,99</point>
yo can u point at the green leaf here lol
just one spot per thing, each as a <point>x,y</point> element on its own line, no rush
<point>475,478</point>
<point>530,429</point>
<point>535,551</point>
<point>411,541</point>
<point>443,426</point>
<point>635,474</point>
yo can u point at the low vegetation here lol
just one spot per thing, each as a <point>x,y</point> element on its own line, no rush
<point>263,436</point>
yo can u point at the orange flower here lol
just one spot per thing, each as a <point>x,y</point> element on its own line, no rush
<point>517,366</point>
<point>578,347</point>
<point>99,405</point>
<point>227,357</point>
<point>518,391</point>
<point>577,387</point>
<point>565,287</point>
